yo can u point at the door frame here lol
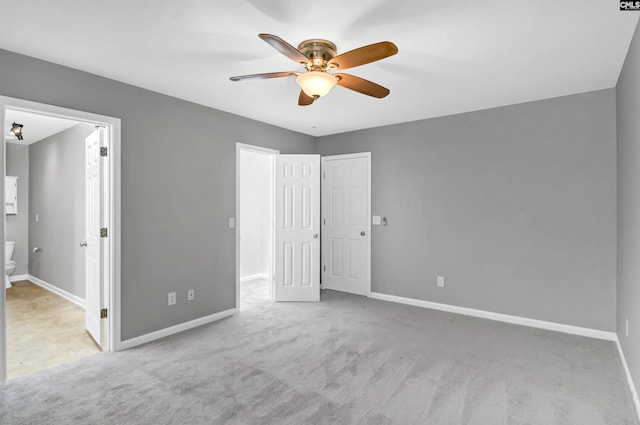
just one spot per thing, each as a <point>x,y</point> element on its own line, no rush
<point>269,152</point>
<point>112,256</point>
<point>323,160</point>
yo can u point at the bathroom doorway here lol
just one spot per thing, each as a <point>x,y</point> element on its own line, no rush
<point>255,225</point>
<point>60,223</point>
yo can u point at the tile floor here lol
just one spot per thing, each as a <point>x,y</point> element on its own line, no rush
<point>43,330</point>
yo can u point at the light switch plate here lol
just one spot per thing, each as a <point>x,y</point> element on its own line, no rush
<point>376,220</point>
<point>232,222</point>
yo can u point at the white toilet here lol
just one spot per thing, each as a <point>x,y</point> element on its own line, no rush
<point>9,264</point>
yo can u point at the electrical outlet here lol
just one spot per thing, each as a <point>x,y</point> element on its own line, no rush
<point>191,294</point>
<point>626,327</point>
<point>440,281</point>
<point>172,298</point>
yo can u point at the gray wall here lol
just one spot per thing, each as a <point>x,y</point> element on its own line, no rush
<point>57,196</point>
<point>628,111</point>
<point>178,187</point>
<point>18,224</point>
<point>515,206</point>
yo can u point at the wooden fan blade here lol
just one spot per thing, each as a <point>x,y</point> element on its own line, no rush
<point>285,48</point>
<point>263,76</point>
<point>362,55</point>
<point>304,99</point>
<point>362,86</point>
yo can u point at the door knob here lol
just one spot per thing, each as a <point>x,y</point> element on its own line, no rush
<point>315,236</point>
<point>362,233</point>
<point>83,244</point>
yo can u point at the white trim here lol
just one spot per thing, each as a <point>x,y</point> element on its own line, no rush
<point>632,387</point>
<point>19,277</point>
<point>273,153</point>
<point>58,291</point>
<point>516,320</point>
<point>115,225</point>
<point>152,336</point>
<point>254,277</point>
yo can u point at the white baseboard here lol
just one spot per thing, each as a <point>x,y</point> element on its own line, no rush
<point>534,323</point>
<point>632,387</point>
<point>18,278</point>
<point>152,336</point>
<point>60,292</point>
<point>254,276</point>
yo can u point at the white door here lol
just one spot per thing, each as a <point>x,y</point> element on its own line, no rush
<point>93,194</point>
<point>297,248</point>
<point>346,226</point>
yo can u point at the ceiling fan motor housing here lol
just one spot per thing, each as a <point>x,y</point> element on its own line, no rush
<point>319,52</point>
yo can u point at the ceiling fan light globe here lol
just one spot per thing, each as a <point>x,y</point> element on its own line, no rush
<point>316,83</point>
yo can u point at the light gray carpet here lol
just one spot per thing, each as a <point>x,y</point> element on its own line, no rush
<point>345,360</point>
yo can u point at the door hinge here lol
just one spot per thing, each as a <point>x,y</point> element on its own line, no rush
<point>324,268</point>
<point>103,151</point>
<point>103,232</point>
<point>324,221</point>
<point>103,313</point>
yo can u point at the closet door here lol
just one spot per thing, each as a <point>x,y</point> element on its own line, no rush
<point>346,229</point>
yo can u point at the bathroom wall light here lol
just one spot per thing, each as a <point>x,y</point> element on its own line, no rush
<point>16,130</point>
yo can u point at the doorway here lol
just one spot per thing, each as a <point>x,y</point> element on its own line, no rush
<point>75,220</point>
<point>255,225</point>
<point>279,196</point>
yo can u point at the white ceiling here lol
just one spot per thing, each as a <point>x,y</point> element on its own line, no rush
<point>36,127</point>
<point>454,56</point>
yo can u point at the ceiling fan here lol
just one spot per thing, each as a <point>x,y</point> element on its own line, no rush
<point>318,57</point>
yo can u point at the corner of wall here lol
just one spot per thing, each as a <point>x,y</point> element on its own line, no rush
<point>627,95</point>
